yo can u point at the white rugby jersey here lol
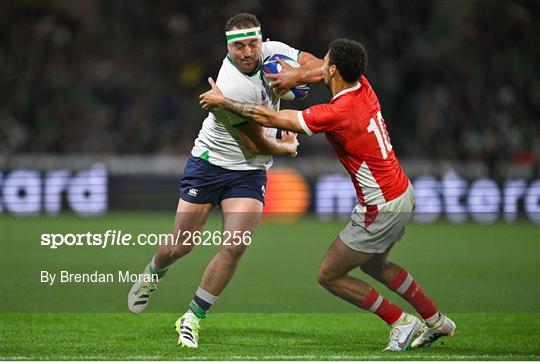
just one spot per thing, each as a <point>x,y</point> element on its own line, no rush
<point>218,141</point>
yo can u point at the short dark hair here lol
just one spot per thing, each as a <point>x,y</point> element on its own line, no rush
<point>349,57</point>
<point>241,21</point>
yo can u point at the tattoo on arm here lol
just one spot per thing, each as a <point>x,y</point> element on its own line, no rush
<point>246,110</point>
<point>233,106</point>
<point>249,110</point>
<point>263,116</point>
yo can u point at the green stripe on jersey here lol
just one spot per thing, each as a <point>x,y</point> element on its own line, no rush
<point>240,124</point>
<point>204,155</point>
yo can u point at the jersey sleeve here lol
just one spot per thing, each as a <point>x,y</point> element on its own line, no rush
<point>318,119</point>
<point>276,47</point>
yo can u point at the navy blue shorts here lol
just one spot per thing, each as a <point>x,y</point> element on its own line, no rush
<point>204,183</point>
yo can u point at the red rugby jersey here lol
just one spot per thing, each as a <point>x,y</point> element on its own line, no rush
<point>353,124</point>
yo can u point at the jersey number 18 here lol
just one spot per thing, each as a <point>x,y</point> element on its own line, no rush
<point>381,134</point>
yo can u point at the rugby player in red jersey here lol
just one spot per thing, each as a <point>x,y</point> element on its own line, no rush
<point>352,122</point>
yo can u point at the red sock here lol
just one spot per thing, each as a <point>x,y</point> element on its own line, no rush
<point>382,307</point>
<point>409,290</point>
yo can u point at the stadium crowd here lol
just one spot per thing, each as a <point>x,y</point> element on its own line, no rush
<point>457,80</point>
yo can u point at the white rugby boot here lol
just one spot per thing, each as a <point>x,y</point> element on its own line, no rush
<point>187,327</point>
<point>441,328</point>
<point>403,332</point>
<point>141,290</point>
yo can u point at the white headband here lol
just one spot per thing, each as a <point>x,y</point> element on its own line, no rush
<point>241,34</point>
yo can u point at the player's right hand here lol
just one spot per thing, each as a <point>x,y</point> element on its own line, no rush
<point>286,79</point>
<point>292,139</point>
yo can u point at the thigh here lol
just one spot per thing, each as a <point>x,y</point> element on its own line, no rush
<point>240,217</point>
<point>242,214</point>
<point>191,217</point>
<point>341,259</point>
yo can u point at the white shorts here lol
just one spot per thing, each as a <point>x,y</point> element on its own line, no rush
<point>373,229</point>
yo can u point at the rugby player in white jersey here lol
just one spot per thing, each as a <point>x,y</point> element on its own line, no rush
<point>227,167</point>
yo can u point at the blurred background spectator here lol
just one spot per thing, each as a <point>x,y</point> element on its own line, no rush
<point>457,80</point>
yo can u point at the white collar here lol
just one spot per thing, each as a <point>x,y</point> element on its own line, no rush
<point>346,90</point>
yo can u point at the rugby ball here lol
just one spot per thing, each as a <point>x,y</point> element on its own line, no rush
<point>272,66</point>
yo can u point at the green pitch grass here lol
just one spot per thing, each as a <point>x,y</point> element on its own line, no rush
<point>230,336</point>
<point>486,277</point>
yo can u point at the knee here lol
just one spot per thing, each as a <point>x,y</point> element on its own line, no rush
<point>233,253</point>
<point>179,251</point>
<point>324,277</point>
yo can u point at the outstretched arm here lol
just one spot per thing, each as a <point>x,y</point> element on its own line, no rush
<point>285,120</point>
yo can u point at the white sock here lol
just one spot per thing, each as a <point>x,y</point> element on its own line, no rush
<point>154,267</point>
<point>434,319</point>
<point>399,320</point>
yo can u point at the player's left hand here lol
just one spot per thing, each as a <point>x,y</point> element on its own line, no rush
<point>286,79</point>
<point>213,98</point>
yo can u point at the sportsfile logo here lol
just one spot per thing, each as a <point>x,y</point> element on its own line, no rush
<point>193,192</point>
<point>120,238</point>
